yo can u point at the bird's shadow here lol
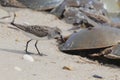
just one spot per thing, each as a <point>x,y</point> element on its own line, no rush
<point>103,60</point>
<point>17,51</point>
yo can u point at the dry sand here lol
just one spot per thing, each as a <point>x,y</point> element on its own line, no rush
<point>50,67</point>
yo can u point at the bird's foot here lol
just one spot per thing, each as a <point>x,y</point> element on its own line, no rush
<point>28,52</point>
<point>42,54</point>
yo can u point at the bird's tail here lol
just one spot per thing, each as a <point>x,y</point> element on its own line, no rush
<point>22,27</point>
<point>9,17</point>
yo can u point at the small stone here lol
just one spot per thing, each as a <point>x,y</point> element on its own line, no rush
<point>97,76</point>
<point>17,68</point>
<point>28,58</point>
<point>67,68</point>
<point>16,40</point>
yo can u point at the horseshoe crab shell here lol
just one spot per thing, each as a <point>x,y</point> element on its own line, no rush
<point>41,4</point>
<point>94,38</point>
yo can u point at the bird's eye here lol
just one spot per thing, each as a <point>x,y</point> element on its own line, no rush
<point>58,33</point>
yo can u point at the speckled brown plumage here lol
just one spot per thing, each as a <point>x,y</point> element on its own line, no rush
<point>40,31</point>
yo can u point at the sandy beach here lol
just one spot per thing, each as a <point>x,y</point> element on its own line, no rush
<point>56,65</point>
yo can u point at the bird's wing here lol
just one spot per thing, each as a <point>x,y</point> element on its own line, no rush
<point>36,30</point>
<point>39,31</point>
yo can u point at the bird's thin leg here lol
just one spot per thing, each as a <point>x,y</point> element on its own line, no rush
<point>27,45</point>
<point>38,49</point>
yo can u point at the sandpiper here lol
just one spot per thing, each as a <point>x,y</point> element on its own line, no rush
<point>37,33</point>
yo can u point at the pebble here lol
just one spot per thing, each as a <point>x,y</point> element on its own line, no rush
<point>17,68</point>
<point>97,76</point>
<point>67,68</point>
<point>28,58</point>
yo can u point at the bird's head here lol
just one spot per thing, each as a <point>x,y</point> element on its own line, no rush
<point>54,33</point>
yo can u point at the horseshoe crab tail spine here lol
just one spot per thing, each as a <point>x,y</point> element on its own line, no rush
<point>58,11</point>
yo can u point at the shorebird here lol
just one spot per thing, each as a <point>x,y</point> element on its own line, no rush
<point>37,33</point>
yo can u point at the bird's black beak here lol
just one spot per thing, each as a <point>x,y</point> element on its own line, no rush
<point>60,38</point>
